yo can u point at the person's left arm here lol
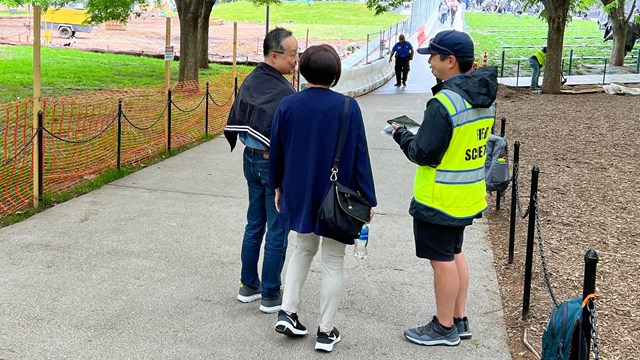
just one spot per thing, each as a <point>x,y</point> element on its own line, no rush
<point>362,167</point>
<point>276,157</point>
<point>410,51</point>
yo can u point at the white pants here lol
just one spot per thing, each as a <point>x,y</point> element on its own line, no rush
<point>304,250</point>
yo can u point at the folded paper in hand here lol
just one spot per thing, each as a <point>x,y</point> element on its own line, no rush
<point>403,120</point>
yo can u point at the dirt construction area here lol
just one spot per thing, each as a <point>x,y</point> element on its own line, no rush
<point>587,148</point>
<point>147,36</point>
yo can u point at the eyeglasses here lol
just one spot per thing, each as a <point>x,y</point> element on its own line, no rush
<point>431,43</point>
<point>293,54</point>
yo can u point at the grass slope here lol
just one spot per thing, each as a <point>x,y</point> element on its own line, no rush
<point>67,71</point>
<point>325,20</point>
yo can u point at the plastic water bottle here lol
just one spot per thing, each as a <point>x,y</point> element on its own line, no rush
<point>360,250</point>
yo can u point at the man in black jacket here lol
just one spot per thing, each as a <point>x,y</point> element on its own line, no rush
<point>449,188</point>
<point>250,120</point>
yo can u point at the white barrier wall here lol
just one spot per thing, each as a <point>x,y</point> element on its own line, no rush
<point>362,79</point>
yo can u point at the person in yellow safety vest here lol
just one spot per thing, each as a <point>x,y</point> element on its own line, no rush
<point>449,187</point>
<point>536,62</point>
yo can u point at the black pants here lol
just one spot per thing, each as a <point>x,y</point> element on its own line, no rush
<point>402,69</point>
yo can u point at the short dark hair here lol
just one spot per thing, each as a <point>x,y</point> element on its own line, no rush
<point>321,65</point>
<point>464,63</point>
<point>274,39</point>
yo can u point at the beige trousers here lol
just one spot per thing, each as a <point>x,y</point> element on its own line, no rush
<point>305,248</point>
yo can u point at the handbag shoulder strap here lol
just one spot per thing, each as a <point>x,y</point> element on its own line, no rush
<point>342,134</point>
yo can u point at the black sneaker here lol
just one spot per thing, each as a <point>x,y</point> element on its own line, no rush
<point>462,324</point>
<point>248,294</point>
<point>396,84</point>
<point>326,342</point>
<point>404,83</point>
<point>290,325</point>
<point>433,334</point>
<point>271,306</point>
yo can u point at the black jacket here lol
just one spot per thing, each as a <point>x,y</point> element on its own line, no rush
<point>428,146</point>
<point>257,100</point>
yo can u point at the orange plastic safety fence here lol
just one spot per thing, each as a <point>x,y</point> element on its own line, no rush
<point>16,134</point>
<point>81,131</point>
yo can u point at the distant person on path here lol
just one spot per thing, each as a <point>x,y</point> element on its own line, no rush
<point>403,51</point>
<point>303,140</point>
<point>536,62</point>
<point>250,120</point>
<point>443,10</point>
<point>449,189</point>
<point>453,8</point>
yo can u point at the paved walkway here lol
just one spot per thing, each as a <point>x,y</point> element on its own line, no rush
<point>147,267</point>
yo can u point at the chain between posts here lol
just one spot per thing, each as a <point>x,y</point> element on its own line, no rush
<point>516,171</point>
<point>543,260</point>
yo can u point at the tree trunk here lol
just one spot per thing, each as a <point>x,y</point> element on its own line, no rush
<point>620,27</point>
<point>189,15</point>
<point>557,11</point>
<point>203,33</point>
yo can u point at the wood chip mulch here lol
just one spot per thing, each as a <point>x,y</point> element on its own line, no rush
<point>587,147</point>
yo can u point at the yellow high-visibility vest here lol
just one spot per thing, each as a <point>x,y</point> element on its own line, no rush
<point>456,186</point>
<point>541,56</point>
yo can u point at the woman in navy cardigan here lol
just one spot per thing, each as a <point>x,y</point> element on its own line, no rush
<point>304,133</point>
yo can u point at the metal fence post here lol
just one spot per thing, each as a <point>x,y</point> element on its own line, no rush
<point>206,111</point>
<point>526,297</point>
<point>502,66</point>
<point>381,46</point>
<point>518,73</point>
<point>604,74</point>
<point>588,288</point>
<point>235,87</point>
<point>40,157</point>
<point>169,120</point>
<point>514,199</point>
<point>638,63</point>
<point>119,142</point>
<point>570,61</point>
<point>367,57</point>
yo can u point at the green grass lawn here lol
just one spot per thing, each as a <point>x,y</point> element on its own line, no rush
<point>66,71</point>
<point>520,38</point>
<point>325,20</point>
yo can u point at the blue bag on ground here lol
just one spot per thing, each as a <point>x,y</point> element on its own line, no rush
<point>496,165</point>
<point>563,338</point>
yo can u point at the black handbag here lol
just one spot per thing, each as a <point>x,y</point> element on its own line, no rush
<point>343,211</point>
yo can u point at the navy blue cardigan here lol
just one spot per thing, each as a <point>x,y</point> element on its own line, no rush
<point>304,133</point>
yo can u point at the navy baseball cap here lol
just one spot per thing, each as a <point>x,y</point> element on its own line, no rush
<point>449,42</point>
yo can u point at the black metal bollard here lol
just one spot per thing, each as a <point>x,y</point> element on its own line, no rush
<point>169,102</point>
<point>588,288</point>
<point>514,194</point>
<point>518,73</point>
<point>530,238</point>
<point>235,87</point>
<point>40,157</point>
<point>604,73</point>
<point>206,111</point>
<point>119,142</point>
<point>502,65</point>
<point>570,61</point>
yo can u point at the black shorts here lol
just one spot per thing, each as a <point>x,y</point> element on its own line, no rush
<point>437,242</point>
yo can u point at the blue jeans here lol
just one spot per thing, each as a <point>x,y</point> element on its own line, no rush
<point>261,216</point>
<point>535,72</point>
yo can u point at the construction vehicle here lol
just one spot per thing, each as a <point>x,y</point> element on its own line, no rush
<point>66,21</point>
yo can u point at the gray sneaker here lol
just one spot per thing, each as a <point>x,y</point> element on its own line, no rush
<point>247,294</point>
<point>271,306</point>
<point>433,334</point>
<point>462,324</point>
